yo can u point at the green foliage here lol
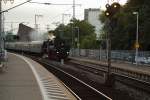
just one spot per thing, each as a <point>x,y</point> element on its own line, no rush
<point>102,17</point>
<point>124,33</point>
<point>89,42</point>
<point>87,36</point>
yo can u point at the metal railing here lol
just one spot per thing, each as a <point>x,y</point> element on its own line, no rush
<point>122,55</point>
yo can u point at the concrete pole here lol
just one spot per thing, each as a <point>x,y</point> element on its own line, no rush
<point>73,28</point>
<point>1,35</point>
<point>36,25</point>
<point>12,27</point>
<point>3,28</point>
<point>108,78</point>
<point>35,22</point>
<point>137,37</point>
<point>74,9</point>
<point>78,39</point>
<point>0,16</point>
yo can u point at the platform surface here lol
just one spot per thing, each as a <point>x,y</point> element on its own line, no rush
<point>17,81</point>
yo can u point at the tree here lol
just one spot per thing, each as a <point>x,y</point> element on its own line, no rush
<point>86,32</point>
<point>124,33</point>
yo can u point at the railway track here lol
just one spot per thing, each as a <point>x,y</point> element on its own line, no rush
<point>86,89</point>
<point>102,70</point>
<point>89,90</point>
<point>81,89</point>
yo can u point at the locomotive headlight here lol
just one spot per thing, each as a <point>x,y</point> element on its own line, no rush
<point>57,52</point>
<point>67,52</point>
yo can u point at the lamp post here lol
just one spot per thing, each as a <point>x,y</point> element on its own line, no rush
<point>137,36</point>
<point>1,34</point>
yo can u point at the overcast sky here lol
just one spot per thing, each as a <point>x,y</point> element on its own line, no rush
<point>51,13</point>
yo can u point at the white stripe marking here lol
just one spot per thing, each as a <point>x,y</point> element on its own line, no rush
<point>85,84</point>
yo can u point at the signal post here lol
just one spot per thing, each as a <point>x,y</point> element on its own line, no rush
<point>111,10</point>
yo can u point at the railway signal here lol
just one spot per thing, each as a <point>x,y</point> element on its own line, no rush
<point>115,7</point>
<point>108,12</point>
<point>112,9</point>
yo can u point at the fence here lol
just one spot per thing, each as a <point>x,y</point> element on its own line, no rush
<point>124,55</point>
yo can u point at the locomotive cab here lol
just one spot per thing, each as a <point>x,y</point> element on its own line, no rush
<point>56,49</point>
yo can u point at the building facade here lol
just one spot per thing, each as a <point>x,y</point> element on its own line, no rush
<point>91,15</point>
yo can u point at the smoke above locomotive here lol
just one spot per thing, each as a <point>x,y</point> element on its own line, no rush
<point>26,33</point>
<point>29,41</point>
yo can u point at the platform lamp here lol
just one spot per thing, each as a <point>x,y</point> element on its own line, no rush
<point>137,36</point>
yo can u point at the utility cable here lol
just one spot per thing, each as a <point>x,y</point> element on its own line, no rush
<point>15,6</point>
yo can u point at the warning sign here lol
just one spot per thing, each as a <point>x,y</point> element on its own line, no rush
<point>137,45</point>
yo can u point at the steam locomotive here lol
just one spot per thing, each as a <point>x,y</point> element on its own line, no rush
<point>56,49</point>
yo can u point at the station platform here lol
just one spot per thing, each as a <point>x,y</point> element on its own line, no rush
<point>25,79</point>
<point>143,69</point>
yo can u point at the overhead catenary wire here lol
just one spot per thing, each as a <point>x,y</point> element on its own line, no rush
<point>15,6</point>
<point>60,15</point>
<point>52,3</point>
